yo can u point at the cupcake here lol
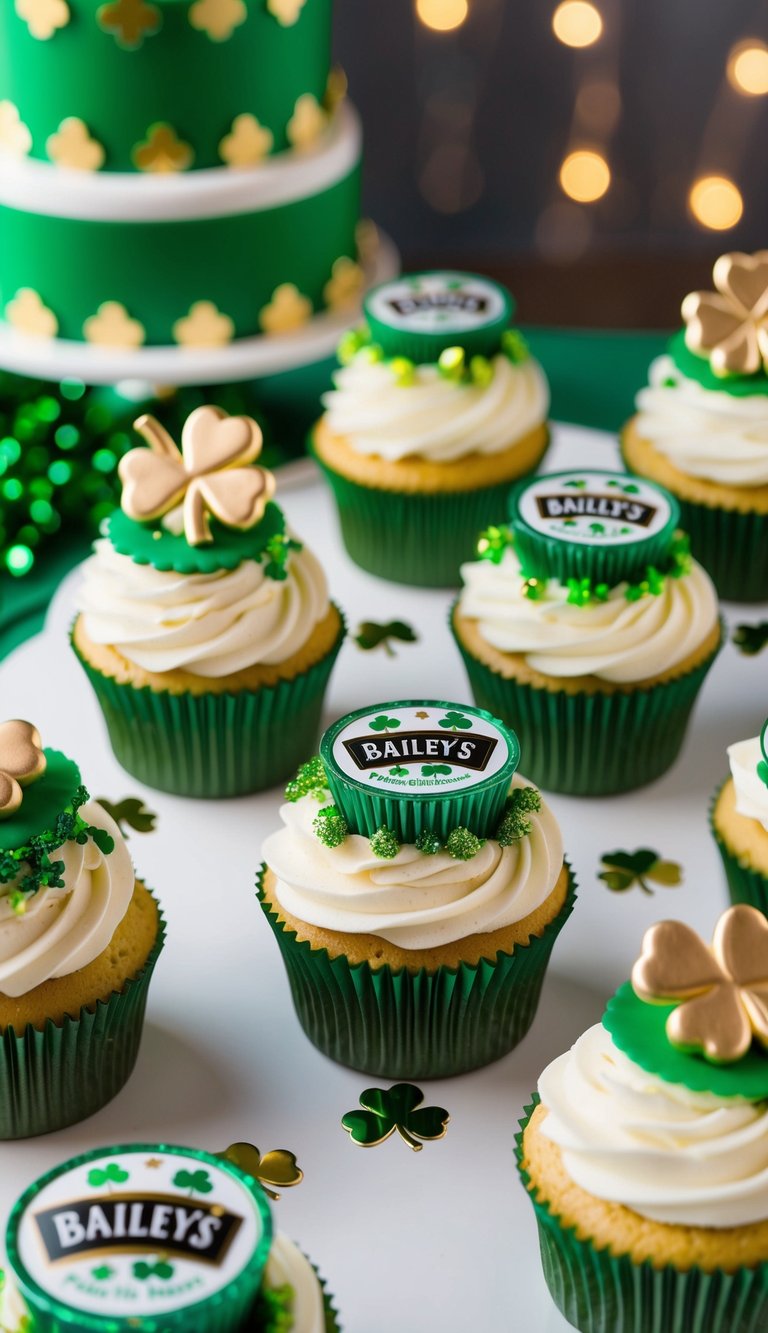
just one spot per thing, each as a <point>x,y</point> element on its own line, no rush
<point>587,626</point>
<point>646,1150</point>
<point>740,822</point>
<point>416,889</point>
<point>159,1237</point>
<point>79,939</point>
<point>437,408</point>
<point>204,625</point>
<point>701,427</point>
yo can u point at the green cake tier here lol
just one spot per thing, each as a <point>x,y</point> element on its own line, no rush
<point>162,85</point>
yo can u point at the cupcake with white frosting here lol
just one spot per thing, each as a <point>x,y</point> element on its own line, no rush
<point>204,626</point>
<point>416,889</point>
<point>701,427</point>
<point>79,938</point>
<point>740,821</point>
<point>587,625</point>
<point>437,408</point>
<point>646,1149</point>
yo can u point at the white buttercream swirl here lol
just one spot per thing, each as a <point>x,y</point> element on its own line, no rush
<point>669,1154</point>
<point>287,1264</point>
<point>63,930</point>
<point>434,417</point>
<point>751,791</point>
<point>414,901</point>
<point>210,624</point>
<point>706,433</point>
<point>617,640</point>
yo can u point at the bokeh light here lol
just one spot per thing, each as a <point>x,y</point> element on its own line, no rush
<point>747,67</point>
<point>577,23</point>
<point>585,176</point>
<point>715,202</point>
<point>442,15</point>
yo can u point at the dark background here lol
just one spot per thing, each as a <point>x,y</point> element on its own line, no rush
<point>466,130</point>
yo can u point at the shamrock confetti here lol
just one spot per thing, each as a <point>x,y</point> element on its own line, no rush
<point>625,870</point>
<point>131,811</point>
<point>384,723</point>
<point>112,1174</point>
<point>751,639</point>
<point>278,1167</point>
<point>455,721</point>
<point>197,1182</point>
<point>371,635</point>
<point>397,1108</point>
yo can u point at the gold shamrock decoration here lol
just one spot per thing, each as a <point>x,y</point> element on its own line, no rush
<point>15,138</point>
<point>730,325</point>
<point>307,122</point>
<point>72,146</point>
<point>278,1167</point>
<point>44,17</point>
<point>209,475</point>
<point>22,761</point>
<point>286,12</point>
<point>27,313</point>
<point>218,18</point>
<point>248,142</point>
<point>721,992</point>
<point>163,151</point>
<point>129,21</point>
<point>345,285</point>
<point>112,326</point>
<point>287,311</point>
<point>204,326</point>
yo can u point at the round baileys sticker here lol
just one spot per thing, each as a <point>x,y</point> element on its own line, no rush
<point>421,315</point>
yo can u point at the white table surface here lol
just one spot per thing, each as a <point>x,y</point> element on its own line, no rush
<point>443,1239</point>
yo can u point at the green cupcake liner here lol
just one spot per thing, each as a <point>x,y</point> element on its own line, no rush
<point>591,744</point>
<point>415,538</point>
<point>599,1292</point>
<point>745,884</point>
<point>731,545</point>
<point>214,745</point>
<point>63,1073</point>
<point>421,1025</point>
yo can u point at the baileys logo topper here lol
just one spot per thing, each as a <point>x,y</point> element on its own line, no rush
<point>594,508</point>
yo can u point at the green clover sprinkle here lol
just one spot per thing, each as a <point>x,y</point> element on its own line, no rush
<point>431,770</point>
<point>111,1174</point>
<point>404,371</point>
<point>161,1269</point>
<point>398,772</point>
<point>514,346</point>
<point>751,639</point>
<point>462,844</point>
<point>272,1310</point>
<point>428,843</point>
<point>102,1272</point>
<point>197,1182</point>
<point>581,592</point>
<point>330,826</point>
<point>625,870</point>
<point>278,550</point>
<point>371,635</point>
<point>481,371</point>
<point>454,721</point>
<point>385,843</point>
<point>130,811</point>
<point>373,353</point>
<point>351,344</point>
<point>383,723</point>
<point>452,363</point>
<point>514,825</point>
<point>310,780</point>
<point>493,542</point>
<point>397,1108</point>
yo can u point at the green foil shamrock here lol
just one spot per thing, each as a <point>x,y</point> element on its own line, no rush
<point>625,870</point>
<point>397,1108</point>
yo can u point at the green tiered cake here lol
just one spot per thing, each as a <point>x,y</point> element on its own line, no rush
<point>179,190</point>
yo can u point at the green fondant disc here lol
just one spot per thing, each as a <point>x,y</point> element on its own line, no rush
<point>696,367</point>
<point>421,315</point>
<point>149,544</point>
<point>638,1029</point>
<point>44,800</point>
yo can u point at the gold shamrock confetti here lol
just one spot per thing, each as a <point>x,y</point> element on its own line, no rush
<point>286,12</point>
<point>204,326</point>
<point>307,123</point>
<point>730,325</point>
<point>27,313</point>
<point>15,138</point>
<point>129,21</point>
<point>112,326</point>
<point>278,1167</point>
<point>44,17</point>
<point>248,142</point>
<point>22,761</point>
<point>721,993</point>
<point>209,475</point>
<point>163,151</point>
<point>72,146</point>
<point>343,288</point>
<point>218,18</point>
<point>288,310</point>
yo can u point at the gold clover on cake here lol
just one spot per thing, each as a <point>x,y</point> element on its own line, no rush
<point>218,18</point>
<point>27,313</point>
<point>73,147</point>
<point>288,310</point>
<point>204,326</point>
<point>286,12</point>
<point>162,151</point>
<point>43,17</point>
<point>15,138</point>
<point>22,761</point>
<point>129,21</point>
<point>730,325</point>
<point>343,289</point>
<point>307,122</point>
<point>112,326</point>
<point>721,992</point>
<point>210,474</point>
<point>248,142</point>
